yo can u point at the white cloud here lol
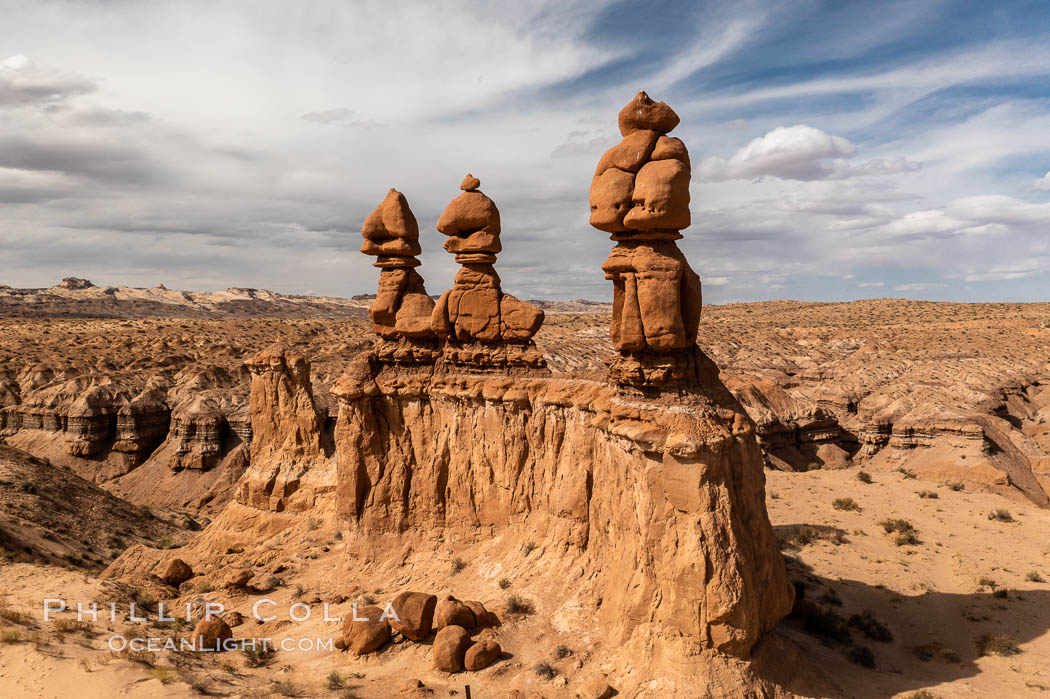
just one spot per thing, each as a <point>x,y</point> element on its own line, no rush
<point>22,83</point>
<point>919,286</point>
<point>871,285</point>
<point>797,152</point>
<point>1042,183</point>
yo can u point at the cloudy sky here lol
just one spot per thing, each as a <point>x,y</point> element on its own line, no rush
<point>840,150</point>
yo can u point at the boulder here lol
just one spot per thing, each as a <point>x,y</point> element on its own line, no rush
<point>363,637</point>
<point>177,572</point>
<point>239,579</point>
<point>482,654</point>
<point>450,648</point>
<point>210,633</point>
<point>595,688</point>
<point>643,113</point>
<point>415,612</point>
<point>483,618</point>
<point>451,612</point>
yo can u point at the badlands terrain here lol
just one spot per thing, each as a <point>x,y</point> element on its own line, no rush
<point>907,463</point>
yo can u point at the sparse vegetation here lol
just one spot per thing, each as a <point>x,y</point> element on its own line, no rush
<point>15,616</point>
<point>286,688</point>
<point>528,548</point>
<point>504,583</point>
<point>10,636</point>
<point>256,655</point>
<point>826,624</point>
<point>928,495</point>
<point>519,605</point>
<point>161,673</point>
<point>864,477</point>
<point>458,564</point>
<point>997,644</point>
<point>861,655</point>
<point>805,536</point>
<point>562,652</point>
<point>921,694</point>
<point>334,680</point>
<point>1000,515</point>
<point>956,487</point>
<point>905,532</point>
<point>1034,576</point>
<point>847,504</point>
<point>985,581</point>
<point>907,473</point>
<point>545,670</point>
<point>872,628</point>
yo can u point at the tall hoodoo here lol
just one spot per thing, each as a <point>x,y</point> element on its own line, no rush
<point>401,312</point>
<point>640,194</point>
<point>476,311</point>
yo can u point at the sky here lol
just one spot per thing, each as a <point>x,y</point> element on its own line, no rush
<point>840,150</point>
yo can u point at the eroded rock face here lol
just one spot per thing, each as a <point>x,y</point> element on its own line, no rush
<point>640,194</point>
<point>656,502</point>
<point>289,465</point>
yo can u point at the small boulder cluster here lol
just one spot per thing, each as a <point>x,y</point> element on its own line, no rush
<point>418,616</point>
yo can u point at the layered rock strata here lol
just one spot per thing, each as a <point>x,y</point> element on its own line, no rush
<point>290,467</point>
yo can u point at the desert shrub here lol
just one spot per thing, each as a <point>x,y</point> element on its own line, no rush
<point>562,652</point>
<point>286,688</point>
<point>1000,515</point>
<point>1034,576</point>
<point>831,597</point>
<point>504,583</point>
<point>845,504</point>
<point>906,533</point>
<point>161,673</point>
<point>805,535</point>
<point>826,624</point>
<point>928,495</point>
<point>196,682</point>
<point>985,581</point>
<point>861,655</point>
<point>458,564</point>
<point>872,628</point>
<point>15,616</point>
<point>72,626</point>
<point>907,473</point>
<point>334,680</point>
<point>143,657</point>
<point>1000,593</point>
<point>956,487</point>
<point>519,605</point>
<point>529,548</point>
<point>921,694</point>
<point>257,656</point>
<point>545,670</point>
<point>166,542</point>
<point>864,477</point>
<point>10,636</point>
<point>997,644</point>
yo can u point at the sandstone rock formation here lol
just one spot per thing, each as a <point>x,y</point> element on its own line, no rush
<point>210,633</point>
<point>482,654</point>
<point>290,468</point>
<point>368,632</point>
<point>415,615</point>
<point>479,322</point>
<point>177,572</point>
<point>450,648</point>
<point>640,194</point>
<point>402,308</point>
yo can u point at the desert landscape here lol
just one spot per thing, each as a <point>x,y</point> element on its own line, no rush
<point>285,411</point>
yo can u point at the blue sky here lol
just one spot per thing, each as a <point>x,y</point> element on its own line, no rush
<point>840,150</point>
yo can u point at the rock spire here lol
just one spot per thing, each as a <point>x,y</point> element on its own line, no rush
<point>640,195</point>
